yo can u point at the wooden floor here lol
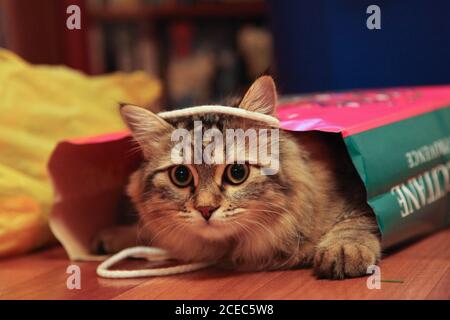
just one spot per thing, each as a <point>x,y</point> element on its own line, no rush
<point>423,267</point>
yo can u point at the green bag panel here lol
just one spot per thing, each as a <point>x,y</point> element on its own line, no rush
<point>405,167</point>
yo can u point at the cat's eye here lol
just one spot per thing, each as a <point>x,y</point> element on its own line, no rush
<point>236,173</point>
<point>181,176</point>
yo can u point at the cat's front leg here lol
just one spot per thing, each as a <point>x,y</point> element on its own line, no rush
<point>115,238</point>
<point>348,249</point>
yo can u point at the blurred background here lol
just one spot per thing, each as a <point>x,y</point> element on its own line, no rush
<point>202,50</point>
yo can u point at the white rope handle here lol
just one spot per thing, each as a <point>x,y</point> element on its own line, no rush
<point>151,254</point>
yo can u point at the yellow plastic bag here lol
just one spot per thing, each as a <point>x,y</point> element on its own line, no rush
<point>39,106</point>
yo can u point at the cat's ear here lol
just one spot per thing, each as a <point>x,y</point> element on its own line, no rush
<point>146,127</point>
<point>261,97</point>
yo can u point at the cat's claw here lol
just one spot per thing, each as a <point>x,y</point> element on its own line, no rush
<point>343,260</point>
<point>112,240</point>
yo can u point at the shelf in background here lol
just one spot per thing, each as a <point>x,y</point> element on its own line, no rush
<point>236,10</point>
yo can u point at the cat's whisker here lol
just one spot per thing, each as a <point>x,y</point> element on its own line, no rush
<point>161,231</point>
<point>264,228</point>
<point>243,227</point>
<point>294,252</point>
<point>264,210</point>
<point>141,228</point>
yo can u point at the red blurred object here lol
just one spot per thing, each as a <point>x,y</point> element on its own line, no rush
<point>36,30</point>
<point>181,35</point>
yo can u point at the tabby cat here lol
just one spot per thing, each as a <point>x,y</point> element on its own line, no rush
<point>311,213</point>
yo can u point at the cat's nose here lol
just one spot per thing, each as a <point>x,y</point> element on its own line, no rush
<point>206,211</point>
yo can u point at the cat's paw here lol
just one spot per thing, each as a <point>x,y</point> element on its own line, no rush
<point>343,260</point>
<point>112,240</point>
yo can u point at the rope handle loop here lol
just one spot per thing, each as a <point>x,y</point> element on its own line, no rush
<point>149,253</point>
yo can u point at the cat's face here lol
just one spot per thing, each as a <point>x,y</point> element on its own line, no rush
<point>212,202</point>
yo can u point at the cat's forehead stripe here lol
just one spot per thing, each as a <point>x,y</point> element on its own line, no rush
<point>207,113</point>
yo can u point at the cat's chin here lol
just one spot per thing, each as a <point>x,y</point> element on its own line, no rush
<point>213,230</point>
